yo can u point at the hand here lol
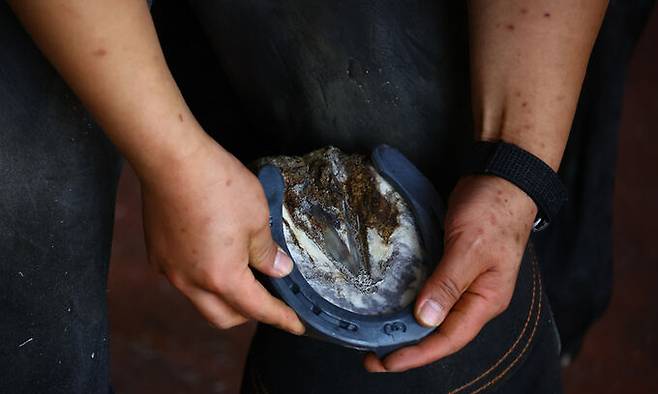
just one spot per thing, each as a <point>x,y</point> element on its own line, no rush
<point>206,223</point>
<point>487,227</point>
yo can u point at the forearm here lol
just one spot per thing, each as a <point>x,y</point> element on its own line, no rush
<point>108,52</point>
<point>528,61</point>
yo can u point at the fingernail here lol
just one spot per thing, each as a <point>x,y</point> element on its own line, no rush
<point>431,313</point>
<point>299,329</point>
<point>378,369</point>
<point>282,263</point>
<point>296,327</point>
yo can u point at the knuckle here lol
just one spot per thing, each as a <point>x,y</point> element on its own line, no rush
<point>225,324</point>
<point>176,280</point>
<point>501,303</point>
<point>215,283</point>
<point>271,315</point>
<point>497,259</point>
<point>448,289</point>
<point>262,315</point>
<point>218,280</point>
<point>264,254</point>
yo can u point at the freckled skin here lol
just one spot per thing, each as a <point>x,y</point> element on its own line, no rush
<point>100,52</point>
<point>492,220</point>
<point>524,11</point>
<point>509,213</point>
<point>180,117</point>
<point>532,62</point>
<point>546,60</point>
<point>536,65</point>
<point>228,182</point>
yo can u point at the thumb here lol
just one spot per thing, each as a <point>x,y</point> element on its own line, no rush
<point>453,275</point>
<point>266,256</point>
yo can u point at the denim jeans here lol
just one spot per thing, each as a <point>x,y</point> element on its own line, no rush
<point>286,77</point>
<point>518,352</point>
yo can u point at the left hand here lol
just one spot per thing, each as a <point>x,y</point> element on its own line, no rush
<point>486,230</point>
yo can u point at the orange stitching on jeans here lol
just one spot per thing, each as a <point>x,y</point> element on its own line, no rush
<point>260,386</point>
<point>518,357</point>
<point>516,342</point>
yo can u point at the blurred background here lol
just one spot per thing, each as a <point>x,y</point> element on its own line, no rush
<point>160,344</point>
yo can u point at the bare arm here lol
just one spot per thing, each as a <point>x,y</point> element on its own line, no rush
<point>528,60</point>
<point>205,215</point>
<point>109,54</point>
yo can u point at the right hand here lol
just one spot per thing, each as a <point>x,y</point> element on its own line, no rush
<point>206,224</point>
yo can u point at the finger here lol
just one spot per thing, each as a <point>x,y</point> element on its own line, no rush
<point>454,273</point>
<point>216,311</point>
<point>373,364</point>
<point>461,326</point>
<point>266,256</point>
<point>248,296</point>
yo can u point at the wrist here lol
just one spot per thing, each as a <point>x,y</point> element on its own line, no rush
<point>523,169</point>
<point>503,195</point>
<point>540,147</point>
<point>173,157</point>
<point>520,121</point>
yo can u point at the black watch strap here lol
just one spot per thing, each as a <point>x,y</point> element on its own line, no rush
<point>525,170</point>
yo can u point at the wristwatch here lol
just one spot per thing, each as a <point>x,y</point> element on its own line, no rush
<point>525,170</point>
